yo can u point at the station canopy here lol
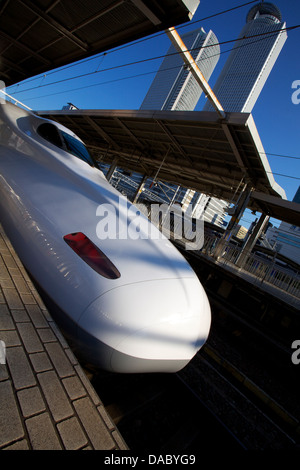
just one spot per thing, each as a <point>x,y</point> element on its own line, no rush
<point>194,149</point>
<point>40,35</point>
<point>197,150</point>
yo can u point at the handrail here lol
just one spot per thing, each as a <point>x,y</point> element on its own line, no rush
<point>15,100</point>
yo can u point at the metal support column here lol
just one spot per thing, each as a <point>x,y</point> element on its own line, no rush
<point>140,189</point>
<point>236,213</point>
<point>247,248</point>
<point>111,170</point>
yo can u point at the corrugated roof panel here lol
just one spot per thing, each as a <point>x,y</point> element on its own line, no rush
<point>204,152</point>
<point>69,30</point>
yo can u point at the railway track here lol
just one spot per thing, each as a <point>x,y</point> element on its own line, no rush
<point>238,406</point>
<point>239,392</point>
<point>201,408</point>
<point>161,413</point>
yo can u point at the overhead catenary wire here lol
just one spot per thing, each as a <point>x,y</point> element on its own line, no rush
<point>149,59</point>
<point>282,156</point>
<point>125,78</point>
<point>285,176</point>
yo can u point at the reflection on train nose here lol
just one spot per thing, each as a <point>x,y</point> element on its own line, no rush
<point>148,326</point>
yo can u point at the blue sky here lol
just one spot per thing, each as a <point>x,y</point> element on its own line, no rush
<point>277,118</point>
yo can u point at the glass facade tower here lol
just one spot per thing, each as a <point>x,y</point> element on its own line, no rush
<point>174,87</point>
<point>251,59</point>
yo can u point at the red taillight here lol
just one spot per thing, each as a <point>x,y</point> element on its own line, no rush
<point>91,254</point>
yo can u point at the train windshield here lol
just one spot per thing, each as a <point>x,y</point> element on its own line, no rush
<point>65,141</point>
<point>77,148</point>
<point>50,132</point>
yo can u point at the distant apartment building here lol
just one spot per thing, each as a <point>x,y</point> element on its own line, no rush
<point>210,208</point>
<point>240,232</point>
<point>286,238</point>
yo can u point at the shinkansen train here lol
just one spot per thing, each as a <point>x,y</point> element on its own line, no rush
<point>126,303</point>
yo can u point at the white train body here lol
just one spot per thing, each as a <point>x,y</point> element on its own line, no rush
<point>153,315</point>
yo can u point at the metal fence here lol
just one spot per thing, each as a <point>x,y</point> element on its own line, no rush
<point>282,281</point>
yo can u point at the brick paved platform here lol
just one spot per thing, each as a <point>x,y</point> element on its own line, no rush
<point>46,400</point>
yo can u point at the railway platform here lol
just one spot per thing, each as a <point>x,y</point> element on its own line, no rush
<point>46,399</point>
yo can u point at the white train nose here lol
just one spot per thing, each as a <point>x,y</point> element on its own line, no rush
<point>154,326</point>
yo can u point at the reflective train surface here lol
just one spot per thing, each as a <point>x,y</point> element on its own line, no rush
<point>125,303</point>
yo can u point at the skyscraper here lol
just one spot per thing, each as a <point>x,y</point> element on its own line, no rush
<point>251,59</point>
<point>174,87</point>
